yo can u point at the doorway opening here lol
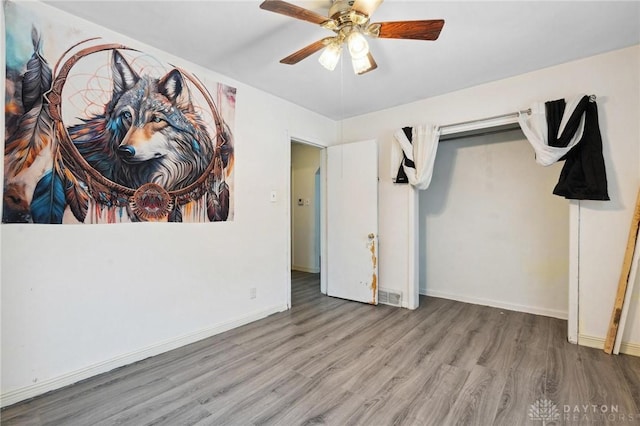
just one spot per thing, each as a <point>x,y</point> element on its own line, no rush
<point>306,218</point>
<point>490,230</point>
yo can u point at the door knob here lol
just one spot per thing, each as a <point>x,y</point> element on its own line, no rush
<point>371,236</point>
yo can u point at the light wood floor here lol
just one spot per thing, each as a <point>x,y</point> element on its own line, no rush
<point>330,361</point>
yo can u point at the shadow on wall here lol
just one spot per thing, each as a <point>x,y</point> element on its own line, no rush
<point>491,229</point>
<point>434,200</point>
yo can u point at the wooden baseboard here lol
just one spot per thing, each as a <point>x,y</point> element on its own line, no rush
<point>498,304</point>
<point>627,348</point>
<point>13,396</point>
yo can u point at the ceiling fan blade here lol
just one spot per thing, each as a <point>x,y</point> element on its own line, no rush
<point>301,54</point>
<point>373,64</point>
<point>288,9</point>
<point>415,30</point>
<point>366,7</point>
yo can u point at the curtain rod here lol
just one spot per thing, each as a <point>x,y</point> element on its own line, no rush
<point>592,98</point>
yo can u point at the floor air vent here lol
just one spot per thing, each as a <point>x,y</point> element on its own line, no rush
<point>389,297</point>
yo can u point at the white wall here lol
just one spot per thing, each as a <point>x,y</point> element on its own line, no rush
<point>305,162</point>
<point>78,300</point>
<point>491,231</point>
<point>603,228</point>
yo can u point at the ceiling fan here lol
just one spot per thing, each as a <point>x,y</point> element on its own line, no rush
<point>349,19</point>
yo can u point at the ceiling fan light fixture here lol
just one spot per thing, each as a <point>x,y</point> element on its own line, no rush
<point>361,65</point>
<point>357,43</point>
<point>330,56</point>
<point>350,21</point>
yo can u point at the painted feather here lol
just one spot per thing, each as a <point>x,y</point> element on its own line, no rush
<point>36,81</point>
<point>35,127</point>
<point>223,199</point>
<point>76,196</point>
<point>213,206</point>
<point>226,148</point>
<point>176,214</point>
<point>48,203</point>
<point>35,132</point>
<point>218,203</point>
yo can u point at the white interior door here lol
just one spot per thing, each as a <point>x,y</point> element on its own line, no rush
<point>352,221</point>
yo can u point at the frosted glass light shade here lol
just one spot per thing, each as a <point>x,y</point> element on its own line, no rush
<point>358,46</point>
<point>330,56</point>
<point>361,65</point>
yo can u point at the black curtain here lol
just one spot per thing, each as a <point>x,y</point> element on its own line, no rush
<point>583,176</point>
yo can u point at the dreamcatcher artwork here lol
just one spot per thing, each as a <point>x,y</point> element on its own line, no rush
<point>107,134</point>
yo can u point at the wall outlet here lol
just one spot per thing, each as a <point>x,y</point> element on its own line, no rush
<point>252,293</point>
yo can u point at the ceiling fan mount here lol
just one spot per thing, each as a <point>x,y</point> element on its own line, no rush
<point>341,13</point>
<point>350,21</point>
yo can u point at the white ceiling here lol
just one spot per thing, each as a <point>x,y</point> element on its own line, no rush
<point>481,42</point>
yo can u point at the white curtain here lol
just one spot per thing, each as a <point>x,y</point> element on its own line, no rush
<point>534,127</point>
<point>421,150</point>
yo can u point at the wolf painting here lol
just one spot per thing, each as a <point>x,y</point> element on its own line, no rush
<point>149,131</point>
<point>147,151</point>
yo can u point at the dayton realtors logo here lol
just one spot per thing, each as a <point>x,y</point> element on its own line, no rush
<point>597,414</point>
<point>544,410</point>
<point>547,411</point>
